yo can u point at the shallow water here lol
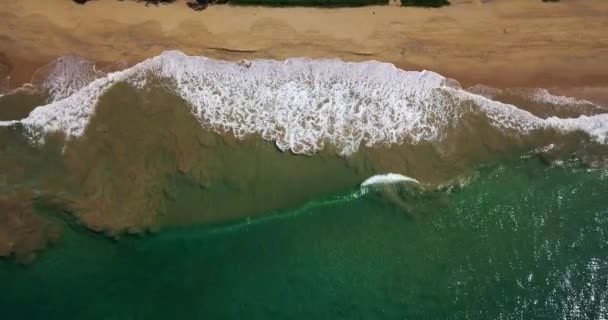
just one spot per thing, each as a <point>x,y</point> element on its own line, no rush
<point>522,240</point>
<point>17,105</point>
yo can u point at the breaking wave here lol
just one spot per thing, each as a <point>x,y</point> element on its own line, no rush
<point>300,104</point>
<point>389,178</point>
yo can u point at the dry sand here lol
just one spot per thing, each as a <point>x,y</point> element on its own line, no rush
<point>499,43</point>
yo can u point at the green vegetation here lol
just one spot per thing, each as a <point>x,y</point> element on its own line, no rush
<point>425,3</point>
<point>310,3</point>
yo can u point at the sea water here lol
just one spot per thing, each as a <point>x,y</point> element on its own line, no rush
<point>520,241</point>
<point>192,188</point>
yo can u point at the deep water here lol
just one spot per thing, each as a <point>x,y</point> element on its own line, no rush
<point>520,240</point>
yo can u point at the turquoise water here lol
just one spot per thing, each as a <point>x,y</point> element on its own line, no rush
<point>521,240</point>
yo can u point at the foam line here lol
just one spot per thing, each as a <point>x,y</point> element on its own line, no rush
<point>9,123</point>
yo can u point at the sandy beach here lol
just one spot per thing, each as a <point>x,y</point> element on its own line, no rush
<point>499,43</point>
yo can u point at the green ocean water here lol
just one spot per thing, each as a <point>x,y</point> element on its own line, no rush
<point>520,240</point>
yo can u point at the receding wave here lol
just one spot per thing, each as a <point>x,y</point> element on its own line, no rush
<point>65,76</point>
<point>538,95</point>
<point>300,104</point>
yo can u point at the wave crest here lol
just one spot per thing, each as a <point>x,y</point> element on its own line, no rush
<point>389,178</point>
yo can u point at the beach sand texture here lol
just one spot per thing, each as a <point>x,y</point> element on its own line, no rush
<point>499,43</point>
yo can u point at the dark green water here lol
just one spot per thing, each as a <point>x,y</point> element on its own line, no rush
<point>521,241</point>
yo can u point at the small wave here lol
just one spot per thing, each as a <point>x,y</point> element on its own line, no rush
<point>389,178</point>
<point>485,91</point>
<point>290,214</point>
<point>301,104</point>
<point>543,96</point>
<point>536,95</point>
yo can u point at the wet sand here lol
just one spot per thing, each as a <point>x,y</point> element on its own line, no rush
<point>503,43</point>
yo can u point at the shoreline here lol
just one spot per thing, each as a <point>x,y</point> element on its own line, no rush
<point>500,44</point>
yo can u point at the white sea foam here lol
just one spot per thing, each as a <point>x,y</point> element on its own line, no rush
<point>537,95</point>
<point>301,104</point>
<point>8,123</point>
<point>65,76</point>
<point>482,90</point>
<point>389,178</point>
<point>540,95</point>
<point>506,116</point>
